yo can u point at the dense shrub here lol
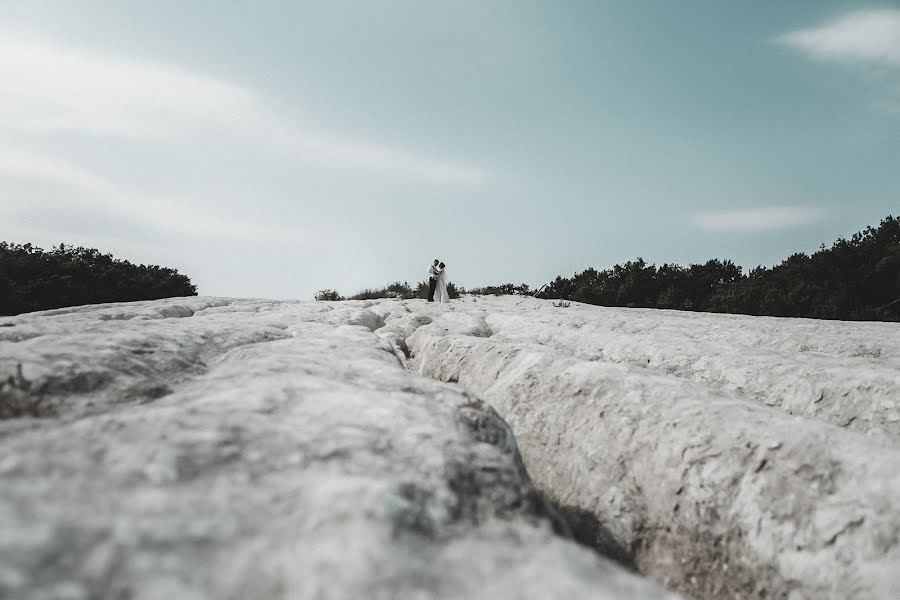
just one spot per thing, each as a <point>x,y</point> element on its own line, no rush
<point>857,278</point>
<point>328,296</point>
<point>506,289</point>
<point>34,279</point>
<point>394,290</point>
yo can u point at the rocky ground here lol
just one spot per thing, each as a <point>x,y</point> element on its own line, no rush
<point>221,448</point>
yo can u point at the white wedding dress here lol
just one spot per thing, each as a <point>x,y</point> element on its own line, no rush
<point>440,290</point>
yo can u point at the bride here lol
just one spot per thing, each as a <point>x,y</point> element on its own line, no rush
<point>440,291</point>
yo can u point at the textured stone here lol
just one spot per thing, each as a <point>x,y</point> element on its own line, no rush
<point>215,448</point>
<point>633,419</point>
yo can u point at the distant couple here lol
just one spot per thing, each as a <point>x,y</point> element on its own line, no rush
<point>437,284</point>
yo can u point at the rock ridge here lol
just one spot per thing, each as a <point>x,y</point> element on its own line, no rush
<point>710,492</point>
<point>291,455</point>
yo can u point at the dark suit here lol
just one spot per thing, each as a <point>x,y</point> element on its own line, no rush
<point>432,283</point>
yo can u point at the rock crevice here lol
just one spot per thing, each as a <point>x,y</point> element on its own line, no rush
<point>309,466</point>
<point>218,448</point>
<point>708,491</point>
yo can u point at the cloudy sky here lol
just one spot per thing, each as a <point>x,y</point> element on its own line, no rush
<point>277,148</point>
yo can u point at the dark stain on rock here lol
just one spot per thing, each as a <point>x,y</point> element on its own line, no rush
<point>586,529</point>
<point>19,398</point>
<point>411,511</point>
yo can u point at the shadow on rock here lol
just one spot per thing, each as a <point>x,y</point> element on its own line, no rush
<point>586,529</point>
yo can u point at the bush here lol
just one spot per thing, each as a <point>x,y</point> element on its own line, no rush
<point>394,290</point>
<point>506,289</point>
<point>328,296</point>
<point>34,279</point>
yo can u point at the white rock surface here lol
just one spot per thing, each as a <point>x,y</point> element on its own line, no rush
<point>660,426</point>
<point>217,448</point>
<point>841,372</point>
<point>212,448</point>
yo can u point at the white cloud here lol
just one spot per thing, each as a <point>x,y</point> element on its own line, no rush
<point>758,219</point>
<point>871,36</point>
<point>49,89</point>
<point>378,158</point>
<point>55,89</point>
<point>21,164</point>
<point>96,146</point>
<point>87,191</point>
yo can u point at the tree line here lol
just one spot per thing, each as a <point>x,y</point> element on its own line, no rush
<point>855,279</point>
<point>34,279</point>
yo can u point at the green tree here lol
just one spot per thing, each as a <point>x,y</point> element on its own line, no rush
<point>856,278</point>
<point>33,279</point>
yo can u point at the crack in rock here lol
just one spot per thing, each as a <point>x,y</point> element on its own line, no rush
<point>731,521</point>
<point>264,449</point>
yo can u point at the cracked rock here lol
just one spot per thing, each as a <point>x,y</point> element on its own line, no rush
<point>206,448</point>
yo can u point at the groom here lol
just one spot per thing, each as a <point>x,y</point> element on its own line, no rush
<point>432,279</point>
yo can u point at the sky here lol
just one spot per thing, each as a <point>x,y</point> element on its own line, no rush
<point>273,149</point>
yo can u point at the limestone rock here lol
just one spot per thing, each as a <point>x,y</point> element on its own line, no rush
<point>632,418</point>
<point>213,448</point>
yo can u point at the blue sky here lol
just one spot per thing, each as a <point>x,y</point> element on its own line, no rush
<point>277,148</point>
